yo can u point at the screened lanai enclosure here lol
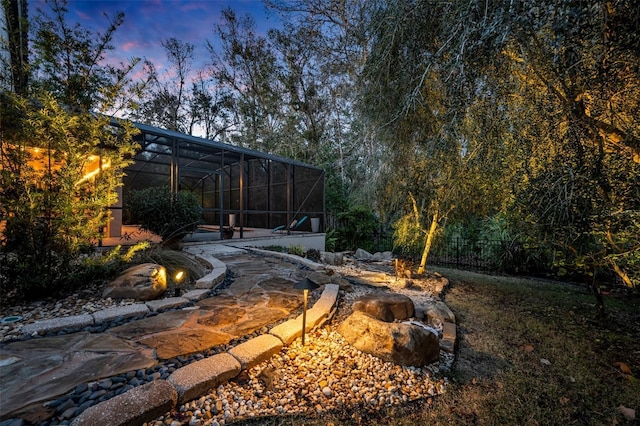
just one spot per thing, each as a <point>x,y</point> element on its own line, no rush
<point>235,186</point>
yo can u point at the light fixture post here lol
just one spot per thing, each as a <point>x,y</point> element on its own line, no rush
<point>304,314</point>
<point>305,285</point>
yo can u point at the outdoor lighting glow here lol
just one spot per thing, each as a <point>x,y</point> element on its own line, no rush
<point>94,173</point>
<point>179,276</point>
<point>305,285</point>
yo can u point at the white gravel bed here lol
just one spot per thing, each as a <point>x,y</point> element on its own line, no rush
<point>326,374</point>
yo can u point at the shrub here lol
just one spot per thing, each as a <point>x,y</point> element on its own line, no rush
<point>298,250</point>
<point>170,216</point>
<point>54,202</point>
<point>357,228</point>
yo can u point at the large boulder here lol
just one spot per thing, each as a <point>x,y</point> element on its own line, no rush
<point>362,254</point>
<point>146,281</point>
<point>328,258</point>
<point>385,256</point>
<point>401,343</point>
<point>438,312</point>
<point>385,306</point>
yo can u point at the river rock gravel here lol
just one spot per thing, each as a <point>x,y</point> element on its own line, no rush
<point>325,374</point>
<point>86,301</point>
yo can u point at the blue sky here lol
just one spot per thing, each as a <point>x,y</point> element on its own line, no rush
<point>149,22</point>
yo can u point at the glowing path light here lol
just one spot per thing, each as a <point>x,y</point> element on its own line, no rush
<point>306,285</point>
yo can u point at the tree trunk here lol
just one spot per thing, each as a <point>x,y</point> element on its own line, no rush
<point>427,245</point>
<point>595,288</point>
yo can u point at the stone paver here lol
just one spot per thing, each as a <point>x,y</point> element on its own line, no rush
<point>256,350</point>
<point>197,378</point>
<point>139,405</point>
<point>167,303</point>
<point>50,366</point>
<point>195,295</point>
<point>439,310</point>
<point>208,253</point>
<point>116,312</point>
<point>288,331</point>
<point>314,266</point>
<point>261,294</point>
<point>448,341</point>
<point>58,324</point>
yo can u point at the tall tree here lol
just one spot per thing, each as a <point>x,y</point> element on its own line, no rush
<point>336,36</point>
<point>61,156</point>
<point>564,79</point>
<point>68,62</point>
<point>168,101</point>
<point>246,69</point>
<point>17,27</point>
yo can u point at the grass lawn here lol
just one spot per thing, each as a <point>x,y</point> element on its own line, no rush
<point>529,352</point>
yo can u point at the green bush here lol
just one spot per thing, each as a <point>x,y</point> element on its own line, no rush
<point>170,216</point>
<point>54,209</point>
<point>357,228</point>
<point>330,239</point>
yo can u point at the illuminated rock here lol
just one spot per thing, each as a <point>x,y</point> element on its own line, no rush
<point>400,343</point>
<point>385,306</point>
<point>141,282</point>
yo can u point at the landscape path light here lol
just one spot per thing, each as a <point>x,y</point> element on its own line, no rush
<point>306,285</point>
<point>177,278</point>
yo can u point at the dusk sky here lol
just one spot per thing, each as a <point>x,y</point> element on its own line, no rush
<point>148,23</point>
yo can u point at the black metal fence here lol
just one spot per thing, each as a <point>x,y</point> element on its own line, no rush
<point>483,255</point>
<point>491,256</point>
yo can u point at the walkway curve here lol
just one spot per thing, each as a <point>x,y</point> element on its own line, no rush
<point>147,402</point>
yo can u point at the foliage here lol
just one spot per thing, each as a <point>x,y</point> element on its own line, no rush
<point>61,160</point>
<point>357,227</point>
<point>69,62</point>
<point>170,216</point>
<point>58,174</point>
<point>298,250</point>
<point>530,108</point>
<point>330,240</point>
<point>109,264</point>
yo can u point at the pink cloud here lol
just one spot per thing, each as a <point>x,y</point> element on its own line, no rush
<point>129,45</point>
<point>83,16</point>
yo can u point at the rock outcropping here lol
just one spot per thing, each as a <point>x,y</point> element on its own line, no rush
<point>385,306</point>
<point>401,343</point>
<point>146,281</point>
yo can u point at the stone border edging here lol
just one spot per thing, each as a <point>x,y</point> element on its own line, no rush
<point>134,407</point>
<point>217,274</point>
<point>204,285</point>
<point>315,266</point>
<point>147,402</point>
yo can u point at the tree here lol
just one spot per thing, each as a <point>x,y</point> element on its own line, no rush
<point>210,108</point>
<point>575,64</point>
<point>168,103</point>
<point>559,82</point>
<point>68,63</point>
<point>246,69</point>
<point>59,171</point>
<point>61,159</point>
<point>333,39</point>
<point>17,26</point>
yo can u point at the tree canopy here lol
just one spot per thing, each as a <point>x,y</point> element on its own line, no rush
<point>433,114</point>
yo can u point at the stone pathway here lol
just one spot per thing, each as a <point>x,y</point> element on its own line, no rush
<point>44,368</point>
<point>161,359</point>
